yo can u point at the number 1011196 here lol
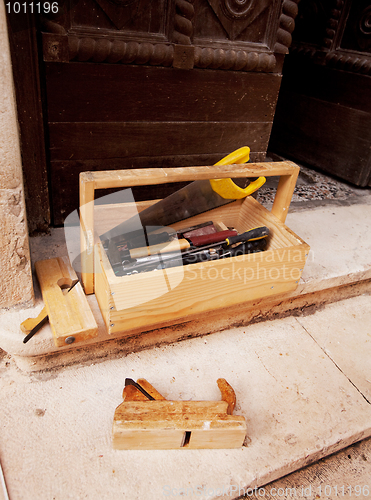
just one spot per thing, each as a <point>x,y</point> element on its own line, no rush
<point>32,7</point>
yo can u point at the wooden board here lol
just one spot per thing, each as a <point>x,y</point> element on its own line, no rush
<point>327,84</point>
<point>173,95</point>
<point>70,316</point>
<point>153,176</point>
<point>124,139</point>
<point>325,144</point>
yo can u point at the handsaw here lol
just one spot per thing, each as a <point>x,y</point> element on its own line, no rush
<point>195,198</point>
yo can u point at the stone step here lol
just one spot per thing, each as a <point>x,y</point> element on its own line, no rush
<point>338,267</point>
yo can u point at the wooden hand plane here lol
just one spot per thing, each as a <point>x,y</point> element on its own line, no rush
<point>147,421</point>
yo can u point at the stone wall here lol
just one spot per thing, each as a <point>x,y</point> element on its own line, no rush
<point>15,264</point>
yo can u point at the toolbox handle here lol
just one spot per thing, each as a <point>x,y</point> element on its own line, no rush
<point>90,181</point>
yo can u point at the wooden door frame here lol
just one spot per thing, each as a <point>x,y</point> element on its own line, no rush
<point>24,48</point>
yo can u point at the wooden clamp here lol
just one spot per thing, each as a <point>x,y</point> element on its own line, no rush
<point>70,316</point>
<point>143,424</point>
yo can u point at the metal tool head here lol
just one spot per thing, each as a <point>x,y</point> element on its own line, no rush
<point>130,381</point>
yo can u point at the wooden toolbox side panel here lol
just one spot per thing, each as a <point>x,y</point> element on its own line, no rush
<point>102,291</point>
<point>204,288</point>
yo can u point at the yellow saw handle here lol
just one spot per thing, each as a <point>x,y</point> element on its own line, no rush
<point>226,188</point>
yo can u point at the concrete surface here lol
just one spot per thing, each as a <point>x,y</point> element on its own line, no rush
<point>55,434</point>
<point>345,475</point>
<point>338,237</point>
<point>345,336</point>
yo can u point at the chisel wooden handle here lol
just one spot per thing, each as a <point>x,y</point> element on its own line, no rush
<point>172,246</point>
<point>205,239</point>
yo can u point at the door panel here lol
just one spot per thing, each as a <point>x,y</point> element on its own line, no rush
<point>138,83</point>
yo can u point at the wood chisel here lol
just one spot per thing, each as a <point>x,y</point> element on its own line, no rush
<point>155,260</point>
<point>168,242</point>
<point>164,241</point>
<point>198,230</point>
<point>178,244</point>
<point>256,233</point>
<point>205,239</point>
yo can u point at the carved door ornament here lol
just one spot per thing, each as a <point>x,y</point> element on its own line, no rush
<point>237,35</point>
<point>236,15</point>
<point>344,40</point>
<point>121,12</point>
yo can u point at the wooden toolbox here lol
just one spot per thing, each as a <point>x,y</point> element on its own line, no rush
<point>163,297</point>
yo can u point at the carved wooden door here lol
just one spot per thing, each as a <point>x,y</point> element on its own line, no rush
<point>324,111</point>
<point>138,83</point>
